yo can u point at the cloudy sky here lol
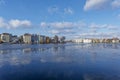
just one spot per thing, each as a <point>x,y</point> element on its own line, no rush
<point>71,18</point>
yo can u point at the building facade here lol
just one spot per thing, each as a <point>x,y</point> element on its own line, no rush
<point>87,40</point>
<point>115,40</point>
<point>5,37</point>
<point>78,40</point>
<point>27,38</point>
<point>83,40</point>
<point>47,40</point>
<point>35,38</point>
<point>42,39</point>
<point>96,41</point>
<point>56,39</point>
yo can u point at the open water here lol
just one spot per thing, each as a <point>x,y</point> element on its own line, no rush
<point>60,62</point>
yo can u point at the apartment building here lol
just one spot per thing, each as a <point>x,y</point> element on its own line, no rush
<point>5,37</point>
<point>27,38</point>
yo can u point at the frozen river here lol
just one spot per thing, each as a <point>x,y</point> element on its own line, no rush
<point>60,62</point>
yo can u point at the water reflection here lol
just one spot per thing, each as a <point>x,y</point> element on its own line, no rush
<point>59,53</point>
<point>21,56</point>
<point>98,45</point>
<point>64,61</point>
<point>5,51</point>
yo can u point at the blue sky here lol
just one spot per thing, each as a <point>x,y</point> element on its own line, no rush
<point>70,18</point>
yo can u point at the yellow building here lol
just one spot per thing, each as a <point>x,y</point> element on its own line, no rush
<point>47,40</point>
<point>5,37</point>
<point>27,38</point>
<point>42,39</point>
<point>96,40</point>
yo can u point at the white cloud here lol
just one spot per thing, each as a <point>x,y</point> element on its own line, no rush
<point>18,23</point>
<point>63,24</point>
<point>65,31</point>
<point>68,11</point>
<point>2,22</point>
<point>44,24</point>
<point>103,26</point>
<point>116,4</point>
<point>99,35</point>
<point>112,27</point>
<point>81,29</point>
<point>96,35</point>
<point>101,30</point>
<point>94,4</point>
<point>98,26</point>
<point>63,27</point>
<point>14,23</point>
<point>100,4</point>
<point>60,11</point>
<point>54,31</point>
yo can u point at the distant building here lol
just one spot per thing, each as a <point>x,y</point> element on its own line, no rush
<point>87,40</point>
<point>27,38</point>
<point>52,40</point>
<point>78,40</point>
<point>95,40</point>
<point>101,40</point>
<point>21,39</point>
<point>5,37</point>
<point>39,39</point>
<point>42,39</point>
<point>56,39</point>
<point>62,39</point>
<point>107,40</point>
<point>47,40</point>
<point>35,38</point>
<point>82,40</point>
<point>115,40</point>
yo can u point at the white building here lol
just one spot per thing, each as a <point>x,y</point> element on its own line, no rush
<point>5,37</point>
<point>78,40</point>
<point>27,38</point>
<point>115,40</point>
<point>101,40</point>
<point>87,40</point>
<point>82,40</point>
